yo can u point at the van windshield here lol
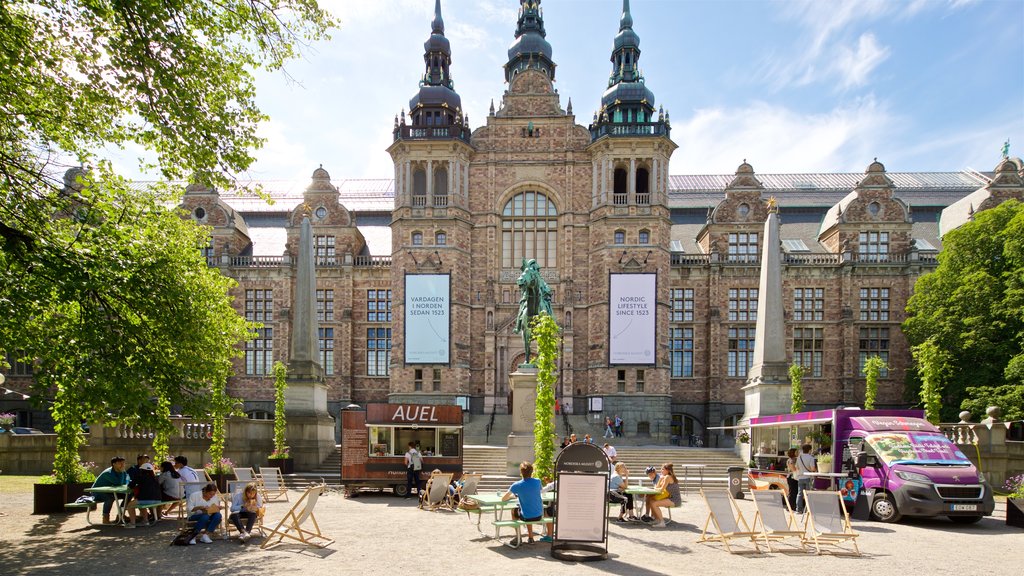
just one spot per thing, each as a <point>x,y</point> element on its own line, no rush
<point>927,449</point>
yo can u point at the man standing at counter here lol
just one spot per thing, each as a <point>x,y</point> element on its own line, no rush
<point>804,463</point>
<point>413,467</point>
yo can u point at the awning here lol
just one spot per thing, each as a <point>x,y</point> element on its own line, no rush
<point>785,424</point>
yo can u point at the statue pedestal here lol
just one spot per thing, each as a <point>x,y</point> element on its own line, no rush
<point>768,392</point>
<point>309,428</point>
<point>523,383</point>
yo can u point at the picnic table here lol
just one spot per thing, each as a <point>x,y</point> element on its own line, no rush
<point>494,504</point>
<point>119,502</point>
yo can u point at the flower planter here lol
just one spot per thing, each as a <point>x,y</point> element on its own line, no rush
<point>51,498</point>
<point>287,465</point>
<point>221,480</point>
<point>1015,512</point>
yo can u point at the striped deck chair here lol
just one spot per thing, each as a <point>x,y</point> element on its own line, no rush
<point>827,522</point>
<point>727,519</point>
<point>273,484</point>
<point>436,494</point>
<point>292,525</point>
<point>775,517</point>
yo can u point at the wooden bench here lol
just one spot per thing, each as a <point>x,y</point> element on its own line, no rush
<point>518,525</point>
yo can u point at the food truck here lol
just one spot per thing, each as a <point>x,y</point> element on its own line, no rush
<point>374,441</point>
<point>907,466</point>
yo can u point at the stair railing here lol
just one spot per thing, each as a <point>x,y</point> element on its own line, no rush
<point>566,424</point>
<point>490,425</point>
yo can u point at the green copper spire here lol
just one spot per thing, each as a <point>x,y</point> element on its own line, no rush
<point>530,49</point>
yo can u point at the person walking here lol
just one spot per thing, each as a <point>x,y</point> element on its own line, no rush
<point>791,482</point>
<point>608,432</point>
<point>413,467</point>
<point>804,464</point>
<point>618,426</point>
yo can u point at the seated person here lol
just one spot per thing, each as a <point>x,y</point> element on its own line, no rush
<point>617,494</point>
<point>668,495</point>
<point>204,510</point>
<point>170,485</point>
<point>531,506</point>
<point>115,476</point>
<point>246,504</point>
<point>148,492</point>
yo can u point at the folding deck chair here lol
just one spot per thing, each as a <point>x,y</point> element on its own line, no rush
<point>468,484</point>
<point>436,494</point>
<point>291,526</point>
<point>727,519</point>
<point>237,487</point>
<point>273,484</point>
<point>827,522</point>
<point>776,518</point>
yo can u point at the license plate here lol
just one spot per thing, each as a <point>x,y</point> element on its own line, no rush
<point>964,507</point>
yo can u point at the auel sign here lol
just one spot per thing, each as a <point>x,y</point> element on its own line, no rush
<point>414,414</point>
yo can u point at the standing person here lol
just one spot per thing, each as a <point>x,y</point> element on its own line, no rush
<point>147,492</point>
<point>413,467</point>
<point>618,426</point>
<point>791,477</point>
<point>246,504</point>
<point>611,452</point>
<point>531,506</point>
<point>114,476</point>
<point>667,496</point>
<point>188,474</point>
<point>617,494</point>
<point>804,463</point>
<point>204,510</point>
<point>608,432</point>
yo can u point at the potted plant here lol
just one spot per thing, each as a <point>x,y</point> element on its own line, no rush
<point>824,463</point>
<point>280,457</point>
<point>53,491</point>
<point>6,421</point>
<point>743,437</point>
<point>219,471</point>
<point>1015,501</point>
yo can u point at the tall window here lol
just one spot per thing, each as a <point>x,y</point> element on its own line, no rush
<point>874,342</point>
<point>641,380</point>
<point>644,237</point>
<point>620,380</point>
<point>743,247</point>
<point>873,246</point>
<point>324,246</point>
<point>874,304</point>
<point>680,352</point>
<point>378,305</point>
<point>529,229</point>
<point>419,187</point>
<point>682,304</point>
<point>808,304</point>
<point>441,239</point>
<point>620,236</point>
<point>378,352</point>
<point>437,379</point>
<point>440,182</point>
<point>742,304</point>
<point>325,305</point>
<point>326,349</point>
<point>417,380</point>
<point>807,350</point>
<point>417,239</point>
<point>741,351</point>
<point>207,250</point>
<point>259,353</point>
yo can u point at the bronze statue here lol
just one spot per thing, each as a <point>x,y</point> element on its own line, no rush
<point>535,298</point>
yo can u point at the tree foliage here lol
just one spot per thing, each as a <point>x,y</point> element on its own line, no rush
<point>796,376</point>
<point>933,363</point>
<point>972,309</point>
<point>873,367</point>
<point>545,331</point>
<point>280,424</point>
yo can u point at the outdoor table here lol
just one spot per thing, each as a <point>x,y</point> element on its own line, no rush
<point>831,476</point>
<point>494,503</point>
<point>118,502</point>
<point>642,492</point>
<point>686,473</point>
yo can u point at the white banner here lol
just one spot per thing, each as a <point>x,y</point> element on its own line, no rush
<point>631,318</point>
<point>427,318</point>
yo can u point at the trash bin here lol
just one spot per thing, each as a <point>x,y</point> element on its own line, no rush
<point>736,474</point>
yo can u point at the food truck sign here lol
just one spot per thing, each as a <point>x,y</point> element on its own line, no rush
<point>413,414</point>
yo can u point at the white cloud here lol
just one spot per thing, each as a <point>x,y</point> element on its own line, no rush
<point>776,139</point>
<point>854,66</point>
<point>280,157</point>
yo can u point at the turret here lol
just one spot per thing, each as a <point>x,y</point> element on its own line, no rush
<point>530,49</point>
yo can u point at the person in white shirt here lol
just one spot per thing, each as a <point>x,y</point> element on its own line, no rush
<point>413,467</point>
<point>804,463</point>
<point>187,475</point>
<point>204,510</point>
<point>610,451</point>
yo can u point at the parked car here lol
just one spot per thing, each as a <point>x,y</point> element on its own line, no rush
<point>25,430</point>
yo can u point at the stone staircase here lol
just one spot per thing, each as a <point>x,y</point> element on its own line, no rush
<point>490,461</point>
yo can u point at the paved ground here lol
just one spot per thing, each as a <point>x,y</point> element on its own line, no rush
<point>379,533</point>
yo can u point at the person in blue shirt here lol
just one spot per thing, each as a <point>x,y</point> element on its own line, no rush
<point>531,507</point>
<point>113,476</point>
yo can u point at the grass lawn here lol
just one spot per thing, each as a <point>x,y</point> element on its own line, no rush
<point>17,484</point>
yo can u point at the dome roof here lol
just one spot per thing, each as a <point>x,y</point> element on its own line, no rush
<point>627,92</point>
<point>437,43</point>
<point>626,38</point>
<point>436,96</point>
<point>530,43</point>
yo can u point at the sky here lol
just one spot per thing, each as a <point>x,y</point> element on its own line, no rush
<point>790,86</point>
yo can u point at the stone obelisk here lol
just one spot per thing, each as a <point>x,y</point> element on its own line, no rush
<point>767,390</point>
<point>310,427</point>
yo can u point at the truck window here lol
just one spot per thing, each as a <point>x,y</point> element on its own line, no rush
<point>381,441</point>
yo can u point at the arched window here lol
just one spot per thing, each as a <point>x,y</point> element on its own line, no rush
<point>620,236</point>
<point>417,238</point>
<point>440,182</point>
<point>441,239</point>
<point>529,229</point>
<point>620,186</point>
<point>419,187</point>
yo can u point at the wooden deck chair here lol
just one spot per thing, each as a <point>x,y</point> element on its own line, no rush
<point>273,484</point>
<point>775,517</point>
<point>291,526</point>
<point>727,518</point>
<point>184,512</point>
<point>468,485</point>
<point>827,522</point>
<point>436,494</point>
<point>237,487</point>
<point>249,475</point>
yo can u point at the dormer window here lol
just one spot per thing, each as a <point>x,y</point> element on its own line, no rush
<point>743,247</point>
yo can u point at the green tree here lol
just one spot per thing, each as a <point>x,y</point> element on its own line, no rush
<point>796,375</point>
<point>280,425</point>
<point>933,365</point>
<point>872,370</point>
<point>972,309</point>
<point>545,331</point>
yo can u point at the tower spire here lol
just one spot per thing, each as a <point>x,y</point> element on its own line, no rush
<point>529,49</point>
<point>437,26</point>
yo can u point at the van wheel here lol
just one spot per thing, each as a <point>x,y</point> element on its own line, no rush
<point>884,509</point>
<point>401,490</point>
<point>964,519</point>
